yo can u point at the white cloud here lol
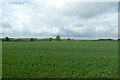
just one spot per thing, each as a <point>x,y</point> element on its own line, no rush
<point>71,19</point>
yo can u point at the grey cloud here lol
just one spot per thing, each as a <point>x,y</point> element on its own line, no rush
<point>6,25</point>
<point>87,9</point>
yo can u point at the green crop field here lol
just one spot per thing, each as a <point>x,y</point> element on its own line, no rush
<point>60,59</point>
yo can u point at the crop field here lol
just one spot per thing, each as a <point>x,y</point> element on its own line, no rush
<point>0,59</point>
<point>60,59</point>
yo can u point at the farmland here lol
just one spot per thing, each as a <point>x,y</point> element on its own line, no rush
<point>0,59</point>
<point>60,59</point>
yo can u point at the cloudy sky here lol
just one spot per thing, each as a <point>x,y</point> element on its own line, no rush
<point>68,18</point>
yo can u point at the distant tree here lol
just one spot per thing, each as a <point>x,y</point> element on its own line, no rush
<point>3,39</point>
<point>35,39</point>
<point>50,39</point>
<point>18,39</point>
<point>7,39</point>
<point>68,39</point>
<point>58,38</point>
<point>110,39</point>
<point>31,39</point>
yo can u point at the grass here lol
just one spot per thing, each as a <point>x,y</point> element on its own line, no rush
<point>60,59</point>
<point>0,59</point>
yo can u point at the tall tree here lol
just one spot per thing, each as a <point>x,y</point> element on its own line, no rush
<point>68,39</point>
<point>7,39</point>
<point>31,39</point>
<point>58,38</point>
<point>50,39</point>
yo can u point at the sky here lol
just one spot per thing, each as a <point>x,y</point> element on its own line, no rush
<point>67,18</point>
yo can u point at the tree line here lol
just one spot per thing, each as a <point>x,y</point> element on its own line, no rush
<point>58,38</point>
